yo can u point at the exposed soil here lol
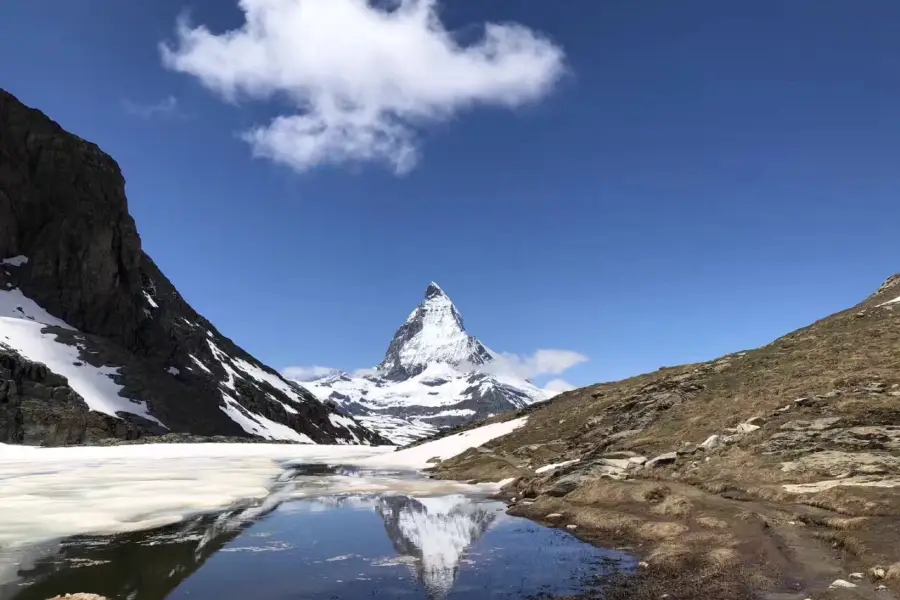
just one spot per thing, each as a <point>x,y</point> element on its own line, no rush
<point>770,473</point>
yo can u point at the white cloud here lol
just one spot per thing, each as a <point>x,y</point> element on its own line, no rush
<point>361,78</point>
<point>542,362</point>
<point>558,385</point>
<point>307,373</point>
<point>167,107</point>
<point>364,372</point>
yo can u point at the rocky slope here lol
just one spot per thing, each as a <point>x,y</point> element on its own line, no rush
<point>95,342</point>
<point>768,473</point>
<point>434,375</point>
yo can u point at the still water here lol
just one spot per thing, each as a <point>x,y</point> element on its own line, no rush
<point>347,546</point>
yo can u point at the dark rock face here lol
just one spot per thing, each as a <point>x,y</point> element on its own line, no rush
<point>63,206</point>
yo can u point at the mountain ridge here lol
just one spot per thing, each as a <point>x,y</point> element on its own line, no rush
<point>77,291</point>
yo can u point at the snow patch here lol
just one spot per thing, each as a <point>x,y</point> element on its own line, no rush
<point>417,457</point>
<point>199,364</point>
<point>259,425</point>
<point>15,261</point>
<point>894,301</point>
<point>22,322</point>
<point>548,468</point>
<point>150,300</point>
<point>173,371</point>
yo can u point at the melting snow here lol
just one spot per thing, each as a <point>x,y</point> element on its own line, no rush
<point>894,301</point>
<point>257,424</point>
<point>417,457</point>
<point>150,300</point>
<point>21,323</point>
<point>199,364</point>
<point>548,468</point>
<point>50,493</point>
<point>15,261</point>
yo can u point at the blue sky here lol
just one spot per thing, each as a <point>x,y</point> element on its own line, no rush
<point>645,183</point>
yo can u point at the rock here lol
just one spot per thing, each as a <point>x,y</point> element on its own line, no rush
<point>755,421</point>
<point>712,442</point>
<point>637,460</point>
<point>746,428</point>
<point>563,486</point>
<point>881,588</point>
<point>804,401</point>
<point>433,460</point>
<point>783,409</point>
<point>571,527</point>
<point>841,583</point>
<point>662,459</point>
<point>878,572</point>
<point>856,575</point>
<point>875,387</point>
<point>553,516</point>
<point>643,564</point>
<point>686,450</point>
<point>79,596</point>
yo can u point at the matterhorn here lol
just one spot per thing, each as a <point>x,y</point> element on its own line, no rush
<point>434,376</point>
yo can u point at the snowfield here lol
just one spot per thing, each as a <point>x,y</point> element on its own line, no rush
<point>51,493</point>
<point>22,324</point>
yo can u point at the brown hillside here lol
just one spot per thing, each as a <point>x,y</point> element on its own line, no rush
<point>784,461</point>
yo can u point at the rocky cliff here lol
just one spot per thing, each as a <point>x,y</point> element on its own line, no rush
<point>95,341</point>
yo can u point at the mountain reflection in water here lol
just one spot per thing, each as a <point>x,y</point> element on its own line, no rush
<point>436,547</point>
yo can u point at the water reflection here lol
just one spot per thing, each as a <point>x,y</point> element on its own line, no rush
<point>329,546</point>
<point>437,532</point>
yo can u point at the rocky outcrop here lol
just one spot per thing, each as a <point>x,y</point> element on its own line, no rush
<point>69,244</point>
<point>782,459</point>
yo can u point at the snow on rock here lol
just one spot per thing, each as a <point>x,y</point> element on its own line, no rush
<point>150,300</point>
<point>199,364</point>
<point>417,457</point>
<point>21,329</point>
<point>15,261</point>
<point>894,301</point>
<point>173,371</point>
<point>548,468</point>
<point>257,424</point>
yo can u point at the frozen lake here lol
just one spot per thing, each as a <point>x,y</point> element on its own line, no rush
<point>432,542</point>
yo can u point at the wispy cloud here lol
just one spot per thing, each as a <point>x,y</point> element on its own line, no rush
<point>559,386</point>
<point>362,77</point>
<point>301,373</point>
<point>541,363</point>
<point>165,108</point>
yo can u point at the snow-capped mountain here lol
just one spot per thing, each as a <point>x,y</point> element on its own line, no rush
<point>434,375</point>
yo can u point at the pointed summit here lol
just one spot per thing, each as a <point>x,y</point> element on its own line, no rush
<point>434,289</point>
<point>433,334</point>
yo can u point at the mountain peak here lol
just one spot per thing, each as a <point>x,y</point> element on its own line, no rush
<point>433,290</point>
<point>432,334</point>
